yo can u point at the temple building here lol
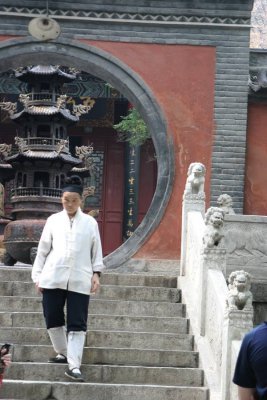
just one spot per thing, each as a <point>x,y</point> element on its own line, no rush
<point>182,211</point>
<point>188,70</point>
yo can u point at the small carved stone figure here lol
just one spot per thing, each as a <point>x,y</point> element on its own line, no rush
<point>21,143</point>
<point>195,179</point>
<point>239,296</point>
<point>62,144</point>
<point>214,219</point>
<point>5,150</point>
<point>94,213</point>
<point>225,202</point>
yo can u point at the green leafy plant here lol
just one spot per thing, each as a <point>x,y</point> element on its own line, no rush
<point>132,128</point>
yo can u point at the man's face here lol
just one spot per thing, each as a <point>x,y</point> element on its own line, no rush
<point>71,201</point>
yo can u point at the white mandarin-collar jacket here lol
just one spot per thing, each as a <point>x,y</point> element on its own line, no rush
<point>68,253</point>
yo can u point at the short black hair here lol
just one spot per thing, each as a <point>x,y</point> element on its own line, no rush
<point>73,183</point>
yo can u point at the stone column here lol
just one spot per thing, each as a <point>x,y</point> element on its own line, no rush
<point>193,200</point>
<point>215,258</point>
<point>211,258</point>
<point>238,321</point>
<point>236,324</point>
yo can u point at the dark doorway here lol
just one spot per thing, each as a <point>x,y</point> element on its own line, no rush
<point>41,179</point>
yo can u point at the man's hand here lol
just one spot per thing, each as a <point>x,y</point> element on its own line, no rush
<point>6,360</point>
<point>39,289</point>
<point>246,393</point>
<point>95,283</point>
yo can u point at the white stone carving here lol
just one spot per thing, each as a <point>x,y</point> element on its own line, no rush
<point>24,99</point>
<point>62,145</point>
<point>5,150</point>
<point>239,296</point>
<point>194,188</point>
<point>213,234</point>
<point>61,101</point>
<point>246,243</point>
<point>84,108</point>
<point>8,106</point>
<point>21,143</point>
<point>83,152</point>
<point>225,202</point>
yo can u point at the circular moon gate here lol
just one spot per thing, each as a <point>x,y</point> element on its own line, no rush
<point>22,52</point>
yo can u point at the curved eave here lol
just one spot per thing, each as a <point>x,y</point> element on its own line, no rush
<point>42,155</point>
<point>45,111</point>
<point>6,166</point>
<point>83,172</point>
<point>43,70</point>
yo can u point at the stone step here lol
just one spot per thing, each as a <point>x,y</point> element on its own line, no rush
<point>107,278</point>
<point>112,292</point>
<point>118,356</point>
<point>109,374</point>
<point>102,322</point>
<point>138,280</point>
<point>98,306</point>
<point>32,390</point>
<point>101,338</point>
<point>137,345</point>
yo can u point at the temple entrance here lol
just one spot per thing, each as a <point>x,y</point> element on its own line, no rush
<point>109,69</point>
<point>108,200</point>
<point>122,181</point>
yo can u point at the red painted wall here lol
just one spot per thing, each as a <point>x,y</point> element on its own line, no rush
<point>256,161</point>
<point>6,37</point>
<point>182,79</point>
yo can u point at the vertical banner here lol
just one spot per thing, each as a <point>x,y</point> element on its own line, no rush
<point>132,169</point>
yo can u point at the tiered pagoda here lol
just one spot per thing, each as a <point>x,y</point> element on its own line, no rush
<point>41,158</point>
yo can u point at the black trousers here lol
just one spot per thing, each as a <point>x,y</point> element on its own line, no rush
<point>77,304</point>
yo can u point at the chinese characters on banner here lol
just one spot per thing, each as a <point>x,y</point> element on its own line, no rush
<point>131,190</point>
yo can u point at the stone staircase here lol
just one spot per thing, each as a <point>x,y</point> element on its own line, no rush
<point>138,344</point>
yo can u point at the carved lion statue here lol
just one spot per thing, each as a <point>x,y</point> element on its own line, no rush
<point>225,202</point>
<point>214,219</point>
<point>195,178</point>
<point>239,296</point>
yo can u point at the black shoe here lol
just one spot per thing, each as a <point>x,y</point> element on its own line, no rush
<point>59,359</point>
<point>74,374</point>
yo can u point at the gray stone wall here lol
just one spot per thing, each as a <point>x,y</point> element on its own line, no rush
<point>225,25</point>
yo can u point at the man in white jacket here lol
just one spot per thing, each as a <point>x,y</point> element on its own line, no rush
<point>66,269</point>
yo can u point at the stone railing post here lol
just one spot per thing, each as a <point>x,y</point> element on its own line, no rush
<point>193,200</point>
<point>211,258</point>
<point>238,321</point>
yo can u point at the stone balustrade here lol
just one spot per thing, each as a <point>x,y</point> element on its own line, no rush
<point>35,191</point>
<point>218,321</point>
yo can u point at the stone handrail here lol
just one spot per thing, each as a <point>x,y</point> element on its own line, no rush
<point>205,293</point>
<point>216,321</point>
